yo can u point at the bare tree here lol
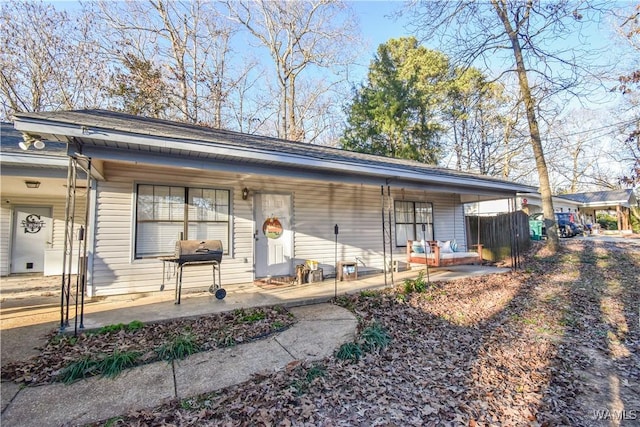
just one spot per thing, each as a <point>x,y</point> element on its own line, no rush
<point>299,36</point>
<point>478,31</point>
<point>482,133</point>
<point>629,30</point>
<point>580,151</point>
<point>189,39</point>
<point>48,59</point>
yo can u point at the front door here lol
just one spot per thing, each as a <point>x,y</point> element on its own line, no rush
<point>31,236</point>
<point>273,235</point>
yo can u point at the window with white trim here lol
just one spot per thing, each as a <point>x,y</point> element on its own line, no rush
<point>163,212</point>
<point>410,216</point>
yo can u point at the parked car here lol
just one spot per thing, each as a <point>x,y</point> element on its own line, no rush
<point>567,225</point>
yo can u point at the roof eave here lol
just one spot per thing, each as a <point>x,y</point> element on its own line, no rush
<point>49,129</point>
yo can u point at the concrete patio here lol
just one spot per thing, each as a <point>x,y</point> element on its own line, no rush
<point>30,300</point>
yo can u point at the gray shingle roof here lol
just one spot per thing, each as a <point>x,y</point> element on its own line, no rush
<point>601,197</point>
<point>120,122</point>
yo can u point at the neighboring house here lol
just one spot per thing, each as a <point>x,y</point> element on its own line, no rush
<point>529,203</point>
<point>586,205</point>
<point>618,202</point>
<point>33,204</point>
<point>273,203</point>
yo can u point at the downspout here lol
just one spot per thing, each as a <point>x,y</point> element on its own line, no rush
<point>92,200</point>
<point>384,237</point>
<point>478,241</point>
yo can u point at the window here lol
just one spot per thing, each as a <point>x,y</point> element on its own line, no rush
<point>162,214</point>
<point>409,219</point>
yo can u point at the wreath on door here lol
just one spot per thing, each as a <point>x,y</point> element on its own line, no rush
<point>272,228</point>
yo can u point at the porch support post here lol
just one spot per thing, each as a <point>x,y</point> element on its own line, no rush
<point>619,217</point>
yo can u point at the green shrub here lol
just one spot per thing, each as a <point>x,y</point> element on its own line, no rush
<point>316,371</point>
<point>420,285</point>
<point>249,316</point>
<point>345,301</point>
<point>111,328</point>
<point>134,326</point>
<point>607,222</point>
<point>408,286</point>
<point>634,219</point>
<point>130,327</point>
<point>254,316</point>
<point>301,385</point>
<point>228,341</point>
<point>415,285</point>
<point>277,325</point>
<point>113,421</point>
<point>369,294</point>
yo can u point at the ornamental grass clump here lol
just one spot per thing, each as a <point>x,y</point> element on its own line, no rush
<point>107,366</point>
<point>372,339</point>
<point>179,347</point>
<point>375,338</point>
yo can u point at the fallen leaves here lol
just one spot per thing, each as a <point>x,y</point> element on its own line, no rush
<point>211,331</point>
<point>537,347</point>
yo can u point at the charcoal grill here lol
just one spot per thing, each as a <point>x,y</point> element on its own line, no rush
<point>195,252</point>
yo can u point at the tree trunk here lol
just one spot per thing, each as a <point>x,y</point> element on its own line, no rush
<point>292,115</point>
<point>553,241</point>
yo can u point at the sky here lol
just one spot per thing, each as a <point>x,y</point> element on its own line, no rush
<point>378,26</point>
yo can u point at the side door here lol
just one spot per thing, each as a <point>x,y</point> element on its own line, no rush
<point>32,234</point>
<point>273,235</point>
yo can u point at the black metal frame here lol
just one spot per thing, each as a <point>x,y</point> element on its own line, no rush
<point>77,162</point>
<point>215,288</point>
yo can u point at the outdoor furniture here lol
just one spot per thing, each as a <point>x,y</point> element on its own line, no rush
<point>433,255</point>
<point>347,270</point>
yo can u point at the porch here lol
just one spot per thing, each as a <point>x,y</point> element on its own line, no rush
<point>31,304</point>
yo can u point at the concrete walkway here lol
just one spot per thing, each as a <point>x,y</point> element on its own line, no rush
<point>320,330</point>
<point>26,318</point>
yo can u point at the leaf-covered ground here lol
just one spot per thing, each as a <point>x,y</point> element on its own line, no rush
<point>204,333</point>
<point>556,343</point>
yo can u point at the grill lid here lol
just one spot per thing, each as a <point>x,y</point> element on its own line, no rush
<point>198,250</point>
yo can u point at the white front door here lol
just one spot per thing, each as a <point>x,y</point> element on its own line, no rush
<point>273,235</point>
<point>31,236</point>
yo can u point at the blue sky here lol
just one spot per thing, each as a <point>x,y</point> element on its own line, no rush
<point>377,26</point>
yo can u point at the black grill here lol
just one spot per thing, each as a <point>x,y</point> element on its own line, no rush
<point>196,252</point>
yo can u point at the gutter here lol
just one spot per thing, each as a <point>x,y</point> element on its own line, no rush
<point>80,132</point>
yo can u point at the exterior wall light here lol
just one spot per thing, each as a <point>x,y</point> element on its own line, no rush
<point>29,140</point>
<point>245,193</point>
<point>32,184</point>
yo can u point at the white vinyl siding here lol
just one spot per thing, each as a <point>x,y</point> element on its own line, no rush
<point>5,239</point>
<point>449,221</point>
<point>317,207</point>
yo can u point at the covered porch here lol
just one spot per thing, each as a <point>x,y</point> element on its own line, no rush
<point>33,301</point>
